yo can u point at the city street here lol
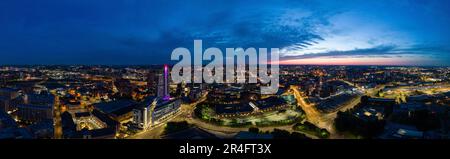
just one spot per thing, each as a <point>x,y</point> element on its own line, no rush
<point>322,120</point>
<point>186,114</point>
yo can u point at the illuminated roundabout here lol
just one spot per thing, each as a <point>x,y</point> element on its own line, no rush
<point>271,118</point>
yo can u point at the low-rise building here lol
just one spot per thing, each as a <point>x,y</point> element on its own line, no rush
<point>36,108</point>
<point>120,110</point>
<point>89,125</point>
<point>154,110</point>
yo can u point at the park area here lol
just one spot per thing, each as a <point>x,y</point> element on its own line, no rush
<point>272,118</point>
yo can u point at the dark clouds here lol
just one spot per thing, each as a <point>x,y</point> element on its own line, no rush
<point>385,51</point>
<point>146,32</point>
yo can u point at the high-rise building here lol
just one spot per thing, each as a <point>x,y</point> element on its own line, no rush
<point>163,84</point>
<point>160,87</point>
<point>152,82</point>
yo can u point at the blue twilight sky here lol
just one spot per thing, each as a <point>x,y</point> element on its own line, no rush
<point>378,32</point>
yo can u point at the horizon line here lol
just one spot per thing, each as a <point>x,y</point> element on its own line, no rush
<point>9,65</point>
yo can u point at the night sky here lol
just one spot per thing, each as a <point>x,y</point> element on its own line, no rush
<point>344,32</point>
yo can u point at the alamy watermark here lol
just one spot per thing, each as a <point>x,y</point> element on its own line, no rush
<point>241,66</point>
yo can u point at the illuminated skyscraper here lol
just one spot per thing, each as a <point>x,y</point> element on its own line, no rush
<point>163,84</point>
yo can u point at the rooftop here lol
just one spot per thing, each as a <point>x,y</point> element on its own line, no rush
<point>270,102</point>
<point>110,107</point>
<point>233,108</point>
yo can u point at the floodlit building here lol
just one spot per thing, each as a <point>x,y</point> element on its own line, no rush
<point>154,110</point>
<point>89,125</point>
<point>163,84</point>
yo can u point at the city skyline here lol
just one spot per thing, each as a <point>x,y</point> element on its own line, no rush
<point>406,32</point>
<point>140,102</point>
